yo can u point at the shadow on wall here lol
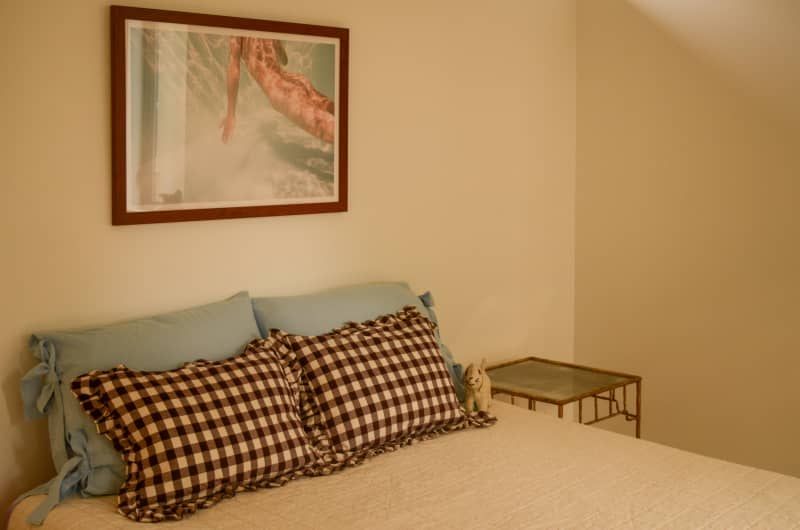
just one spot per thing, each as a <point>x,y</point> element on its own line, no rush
<point>30,441</point>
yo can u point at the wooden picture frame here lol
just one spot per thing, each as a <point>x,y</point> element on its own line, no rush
<point>217,117</point>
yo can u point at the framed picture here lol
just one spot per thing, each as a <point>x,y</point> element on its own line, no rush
<point>218,117</point>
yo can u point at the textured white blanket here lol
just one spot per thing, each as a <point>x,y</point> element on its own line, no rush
<point>528,471</point>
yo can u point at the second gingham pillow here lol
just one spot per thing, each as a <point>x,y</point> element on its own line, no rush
<point>192,436</point>
<point>370,384</point>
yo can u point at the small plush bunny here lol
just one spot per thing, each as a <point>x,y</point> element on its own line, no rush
<point>479,388</point>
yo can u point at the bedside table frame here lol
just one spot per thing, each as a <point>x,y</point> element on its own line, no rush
<point>606,393</point>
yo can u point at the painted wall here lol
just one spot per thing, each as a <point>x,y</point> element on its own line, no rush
<point>687,263</point>
<point>462,169</point>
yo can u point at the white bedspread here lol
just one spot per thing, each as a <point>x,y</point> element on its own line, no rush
<point>528,471</point>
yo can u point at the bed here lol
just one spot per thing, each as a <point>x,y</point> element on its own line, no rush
<point>528,471</point>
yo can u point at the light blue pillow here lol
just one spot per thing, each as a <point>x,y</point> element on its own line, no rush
<point>318,313</point>
<point>87,462</point>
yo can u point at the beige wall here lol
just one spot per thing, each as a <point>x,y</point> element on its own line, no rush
<point>687,262</point>
<point>462,152</point>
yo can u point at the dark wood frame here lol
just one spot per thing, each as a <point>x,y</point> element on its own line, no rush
<point>611,398</point>
<point>120,215</point>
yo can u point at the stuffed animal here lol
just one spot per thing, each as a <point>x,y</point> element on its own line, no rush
<point>478,387</point>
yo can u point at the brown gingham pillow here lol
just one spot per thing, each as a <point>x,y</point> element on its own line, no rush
<point>192,436</point>
<point>372,384</point>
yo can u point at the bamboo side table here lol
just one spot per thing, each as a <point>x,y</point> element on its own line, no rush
<point>560,383</point>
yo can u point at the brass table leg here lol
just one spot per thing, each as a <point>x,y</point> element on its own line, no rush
<point>639,409</point>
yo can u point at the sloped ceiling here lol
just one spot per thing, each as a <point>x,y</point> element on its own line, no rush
<point>754,42</point>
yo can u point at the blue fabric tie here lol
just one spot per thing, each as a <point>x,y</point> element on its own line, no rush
<point>39,388</point>
<point>39,384</point>
<point>71,480</point>
<point>427,299</point>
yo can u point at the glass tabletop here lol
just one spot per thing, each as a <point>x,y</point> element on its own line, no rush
<point>545,380</point>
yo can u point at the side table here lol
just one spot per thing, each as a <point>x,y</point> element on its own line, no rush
<point>560,383</point>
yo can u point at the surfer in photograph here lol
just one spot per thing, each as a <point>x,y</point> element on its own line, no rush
<point>290,93</point>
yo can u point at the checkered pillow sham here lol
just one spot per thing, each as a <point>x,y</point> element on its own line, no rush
<point>192,436</point>
<point>375,383</point>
